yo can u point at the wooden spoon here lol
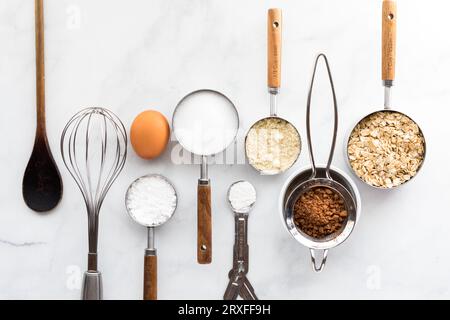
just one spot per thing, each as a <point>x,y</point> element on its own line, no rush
<point>42,186</point>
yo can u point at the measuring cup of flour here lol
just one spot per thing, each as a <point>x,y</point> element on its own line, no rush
<point>150,201</point>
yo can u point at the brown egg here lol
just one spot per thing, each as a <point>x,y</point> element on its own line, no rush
<point>149,134</point>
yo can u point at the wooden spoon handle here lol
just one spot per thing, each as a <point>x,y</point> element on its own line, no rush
<point>204,225</point>
<point>40,67</point>
<point>274,48</point>
<point>151,276</point>
<point>389,34</point>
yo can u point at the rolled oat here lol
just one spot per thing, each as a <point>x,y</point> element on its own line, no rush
<point>386,149</point>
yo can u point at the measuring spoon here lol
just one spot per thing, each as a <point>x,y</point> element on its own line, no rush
<point>241,211</point>
<point>242,198</point>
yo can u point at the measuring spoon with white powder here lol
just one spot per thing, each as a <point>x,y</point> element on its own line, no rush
<point>242,198</point>
<point>150,201</point>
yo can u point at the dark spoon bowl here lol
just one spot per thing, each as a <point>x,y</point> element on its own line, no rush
<point>42,185</point>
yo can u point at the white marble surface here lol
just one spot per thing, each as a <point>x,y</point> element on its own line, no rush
<point>140,54</point>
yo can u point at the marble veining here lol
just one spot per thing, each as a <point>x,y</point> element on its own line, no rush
<point>135,55</point>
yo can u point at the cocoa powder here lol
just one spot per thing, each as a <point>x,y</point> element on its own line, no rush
<point>320,212</point>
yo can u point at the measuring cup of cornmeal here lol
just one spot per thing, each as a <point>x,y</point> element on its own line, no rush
<point>273,144</point>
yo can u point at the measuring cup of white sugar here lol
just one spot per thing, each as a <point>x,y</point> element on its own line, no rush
<point>150,201</point>
<point>205,122</point>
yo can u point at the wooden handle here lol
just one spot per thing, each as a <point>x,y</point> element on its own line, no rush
<point>204,242</point>
<point>40,66</point>
<point>150,277</point>
<point>274,48</point>
<point>389,34</point>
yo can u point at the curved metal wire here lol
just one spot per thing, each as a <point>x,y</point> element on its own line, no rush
<point>308,114</point>
<point>94,149</point>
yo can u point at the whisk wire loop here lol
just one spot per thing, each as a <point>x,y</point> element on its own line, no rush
<point>94,149</point>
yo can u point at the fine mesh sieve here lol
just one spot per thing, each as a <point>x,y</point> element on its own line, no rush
<point>320,176</point>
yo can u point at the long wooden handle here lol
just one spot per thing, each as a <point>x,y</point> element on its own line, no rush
<point>150,277</point>
<point>40,66</point>
<point>389,34</point>
<point>204,225</point>
<point>274,48</point>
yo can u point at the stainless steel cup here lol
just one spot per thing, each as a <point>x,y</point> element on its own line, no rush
<point>288,198</point>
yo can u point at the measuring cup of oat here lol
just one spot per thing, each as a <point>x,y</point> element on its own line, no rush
<point>320,205</point>
<point>386,148</point>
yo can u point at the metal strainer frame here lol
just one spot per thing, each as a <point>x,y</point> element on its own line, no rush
<point>321,180</point>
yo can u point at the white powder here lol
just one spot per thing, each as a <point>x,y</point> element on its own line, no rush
<point>205,123</point>
<point>151,200</point>
<point>242,196</point>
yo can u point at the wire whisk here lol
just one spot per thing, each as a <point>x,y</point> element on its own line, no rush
<point>94,150</point>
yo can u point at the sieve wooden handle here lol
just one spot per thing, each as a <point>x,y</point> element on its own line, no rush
<point>150,276</point>
<point>389,34</point>
<point>274,21</point>
<point>204,224</point>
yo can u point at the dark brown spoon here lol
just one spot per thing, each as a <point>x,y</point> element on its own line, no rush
<point>41,186</point>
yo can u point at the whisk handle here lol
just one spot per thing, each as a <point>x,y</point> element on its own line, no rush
<point>92,286</point>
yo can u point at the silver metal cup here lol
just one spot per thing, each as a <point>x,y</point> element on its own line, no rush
<point>288,196</point>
